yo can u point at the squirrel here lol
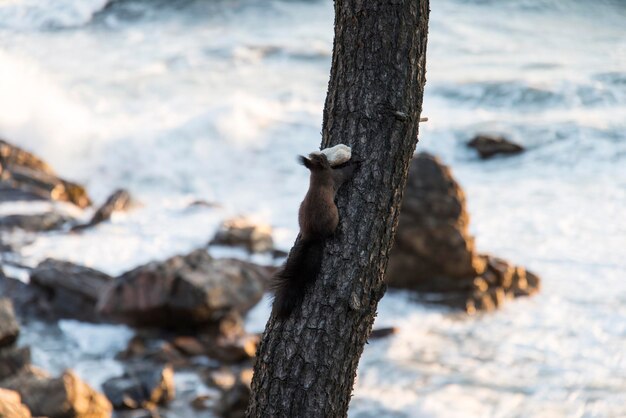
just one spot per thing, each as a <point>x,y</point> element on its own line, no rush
<point>318,218</point>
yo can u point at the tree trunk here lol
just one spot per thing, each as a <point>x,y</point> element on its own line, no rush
<point>306,365</point>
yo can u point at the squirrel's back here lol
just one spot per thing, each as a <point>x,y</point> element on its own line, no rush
<point>318,218</point>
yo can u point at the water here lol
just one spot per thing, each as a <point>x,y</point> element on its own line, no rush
<point>186,100</point>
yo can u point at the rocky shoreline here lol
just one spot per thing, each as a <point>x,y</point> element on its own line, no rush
<point>187,311</point>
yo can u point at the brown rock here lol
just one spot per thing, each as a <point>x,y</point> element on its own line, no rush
<point>225,341</point>
<point>223,378</point>
<point>143,387</point>
<point>503,270</point>
<point>201,402</point>
<point>189,346</point>
<point>241,232</point>
<point>432,238</point>
<point>533,281</point>
<point>119,201</point>
<point>70,290</point>
<point>11,405</point>
<point>490,145</point>
<point>382,333</point>
<point>63,397</point>
<point>153,349</point>
<point>12,155</point>
<point>233,349</point>
<point>22,174</point>
<point>184,291</point>
<point>9,328</point>
<point>434,253</point>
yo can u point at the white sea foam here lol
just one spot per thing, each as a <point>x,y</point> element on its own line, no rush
<point>37,114</point>
<point>213,100</point>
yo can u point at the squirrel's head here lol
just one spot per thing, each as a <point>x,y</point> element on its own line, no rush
<point>315,162</point>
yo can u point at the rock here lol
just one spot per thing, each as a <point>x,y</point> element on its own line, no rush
<point>46,221</point>
<point>233,349</point>
<point>434,252</point>
<point>432,238</point>
<point>489,146</point>
<point>143,387</point>
<point>235,400</point>
<point>62,397</point>
<point>24,377</point>
<point>382,333</point>
<point>119,201</point>
<point>9,328</point>
<point>189,345</point>
<point>70,290</point>
<point>241,232</point>
<point>24,175</point>
<point>200,203</point>
<point>9,193</point>
<point>12,155</point>
<point>27,300</point>
<point>201,402</point>
<point>11,405</point>
<point>13,361</point>
<point>223,378</point>
<point>184,291</point>
<point>225,341</point>
<point>153,349</point>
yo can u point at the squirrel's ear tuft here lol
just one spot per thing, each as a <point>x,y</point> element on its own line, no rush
<point>305,161</point>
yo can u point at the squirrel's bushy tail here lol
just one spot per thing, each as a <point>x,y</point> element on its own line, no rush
<point>299,272</point>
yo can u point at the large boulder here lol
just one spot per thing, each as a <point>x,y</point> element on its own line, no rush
<point>184,291</point>
<point>432,238</point>
<point>434,252</point>
<point>491,145</point>
<point>64,397</point>
<point>69,290</point>
<point>9,328</point>
<point>143,387</point>
<point>11,405</point>
<point>25,176</point>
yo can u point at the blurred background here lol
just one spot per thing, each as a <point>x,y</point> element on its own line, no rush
<point>199,108</point>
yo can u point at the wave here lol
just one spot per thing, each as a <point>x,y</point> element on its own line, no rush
<point>523,96</point>
<point>500,93</point>
<point>41,14</point>
<point>36,113</point>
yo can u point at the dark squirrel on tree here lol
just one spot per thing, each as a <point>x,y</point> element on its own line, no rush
<point>318,218</point>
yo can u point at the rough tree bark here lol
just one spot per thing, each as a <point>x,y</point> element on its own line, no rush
<point>306,365</point>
